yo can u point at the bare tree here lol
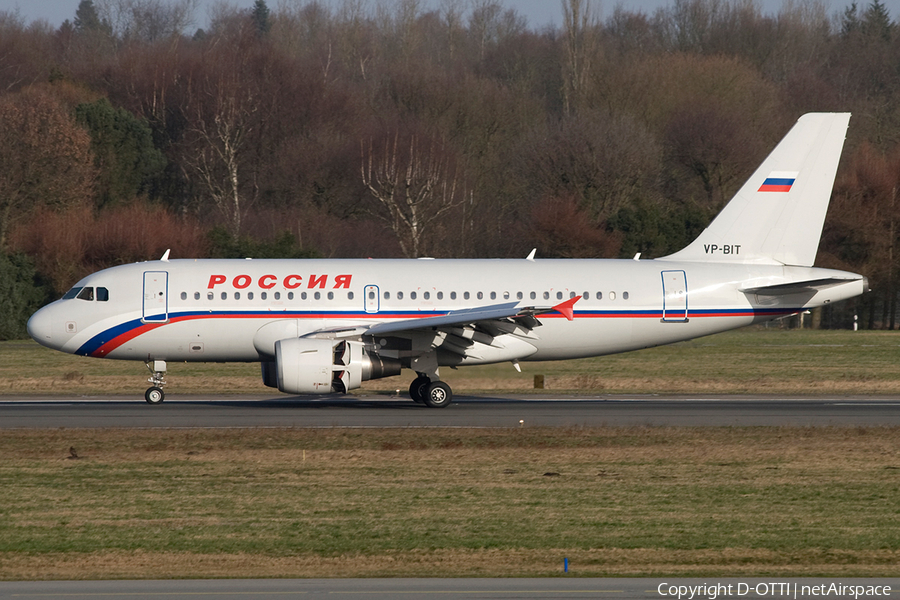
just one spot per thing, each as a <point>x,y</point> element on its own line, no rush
<point>227,103</point>
<point>224,134</point>
<point>580,23</point>
<point>414,181</point>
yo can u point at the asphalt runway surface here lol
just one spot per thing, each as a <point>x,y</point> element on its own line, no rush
<point>457,589</point>
<point>467,411</point>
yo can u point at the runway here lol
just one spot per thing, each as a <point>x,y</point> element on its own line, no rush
<point>458,589</point>
<point>467,411</point>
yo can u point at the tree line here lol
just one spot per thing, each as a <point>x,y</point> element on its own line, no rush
<point>396,129</point>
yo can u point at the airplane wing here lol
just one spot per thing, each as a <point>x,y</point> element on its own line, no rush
<point>508,310</point>
<point>470,333</point>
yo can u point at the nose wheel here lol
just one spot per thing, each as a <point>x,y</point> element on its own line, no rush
<point>155,394</point>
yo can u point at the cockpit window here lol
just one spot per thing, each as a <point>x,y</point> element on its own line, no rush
<point>86,294</point>
<point>72,293</point>
<point>102,294</point>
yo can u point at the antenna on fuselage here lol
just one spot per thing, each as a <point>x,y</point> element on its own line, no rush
<point>165,257</point>
<point>531,255</point>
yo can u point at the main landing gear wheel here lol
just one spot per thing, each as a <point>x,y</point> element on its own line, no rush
<point>417,389</point>
<point>154,395</point>
<point>438,395</point>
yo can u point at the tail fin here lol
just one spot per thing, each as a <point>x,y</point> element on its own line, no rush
<point>777,216</point>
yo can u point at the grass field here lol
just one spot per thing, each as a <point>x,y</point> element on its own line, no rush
<point>510,502</point>
<point>753,360</point>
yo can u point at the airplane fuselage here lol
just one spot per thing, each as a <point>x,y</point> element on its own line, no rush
<point>214,310</point>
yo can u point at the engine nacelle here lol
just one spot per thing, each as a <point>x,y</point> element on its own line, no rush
<point>322,366</point>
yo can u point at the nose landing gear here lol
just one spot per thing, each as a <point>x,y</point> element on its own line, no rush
<point>155,394</point>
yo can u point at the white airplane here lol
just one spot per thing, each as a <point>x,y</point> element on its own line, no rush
<point>324,326</point>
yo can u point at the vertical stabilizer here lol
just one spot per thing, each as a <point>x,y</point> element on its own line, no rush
<point>777,216</point>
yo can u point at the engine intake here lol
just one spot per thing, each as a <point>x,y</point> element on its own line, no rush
<point>322,366</point>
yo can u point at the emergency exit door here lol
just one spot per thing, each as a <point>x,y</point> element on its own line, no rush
<point>675,305</point>
<point>373,301</point>
<point>156,297</point>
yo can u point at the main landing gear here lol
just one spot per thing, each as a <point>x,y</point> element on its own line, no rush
<point>435,394</point>
<point>155,394</point>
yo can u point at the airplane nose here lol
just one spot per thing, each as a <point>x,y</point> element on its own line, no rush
<point>40,328</point>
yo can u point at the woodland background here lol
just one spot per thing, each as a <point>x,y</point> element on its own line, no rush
<point>393,129</point>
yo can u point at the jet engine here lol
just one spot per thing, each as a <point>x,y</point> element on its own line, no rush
<point>323,366</point>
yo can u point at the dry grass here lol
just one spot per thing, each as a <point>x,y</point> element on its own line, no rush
<point>755,360</point>
<point>297,503</point>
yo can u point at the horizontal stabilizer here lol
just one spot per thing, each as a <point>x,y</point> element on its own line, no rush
<point>797,287</point>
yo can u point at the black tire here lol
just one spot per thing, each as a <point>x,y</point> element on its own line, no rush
<point>417,389</point>
<point>438,395</point>
<point>154,395</point>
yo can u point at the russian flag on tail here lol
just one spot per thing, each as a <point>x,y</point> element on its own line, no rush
<point>778,181</point>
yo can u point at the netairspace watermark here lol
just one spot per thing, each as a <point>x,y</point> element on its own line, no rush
<point>772,589</point>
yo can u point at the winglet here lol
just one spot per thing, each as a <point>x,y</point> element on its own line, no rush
<point>566,309</point>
